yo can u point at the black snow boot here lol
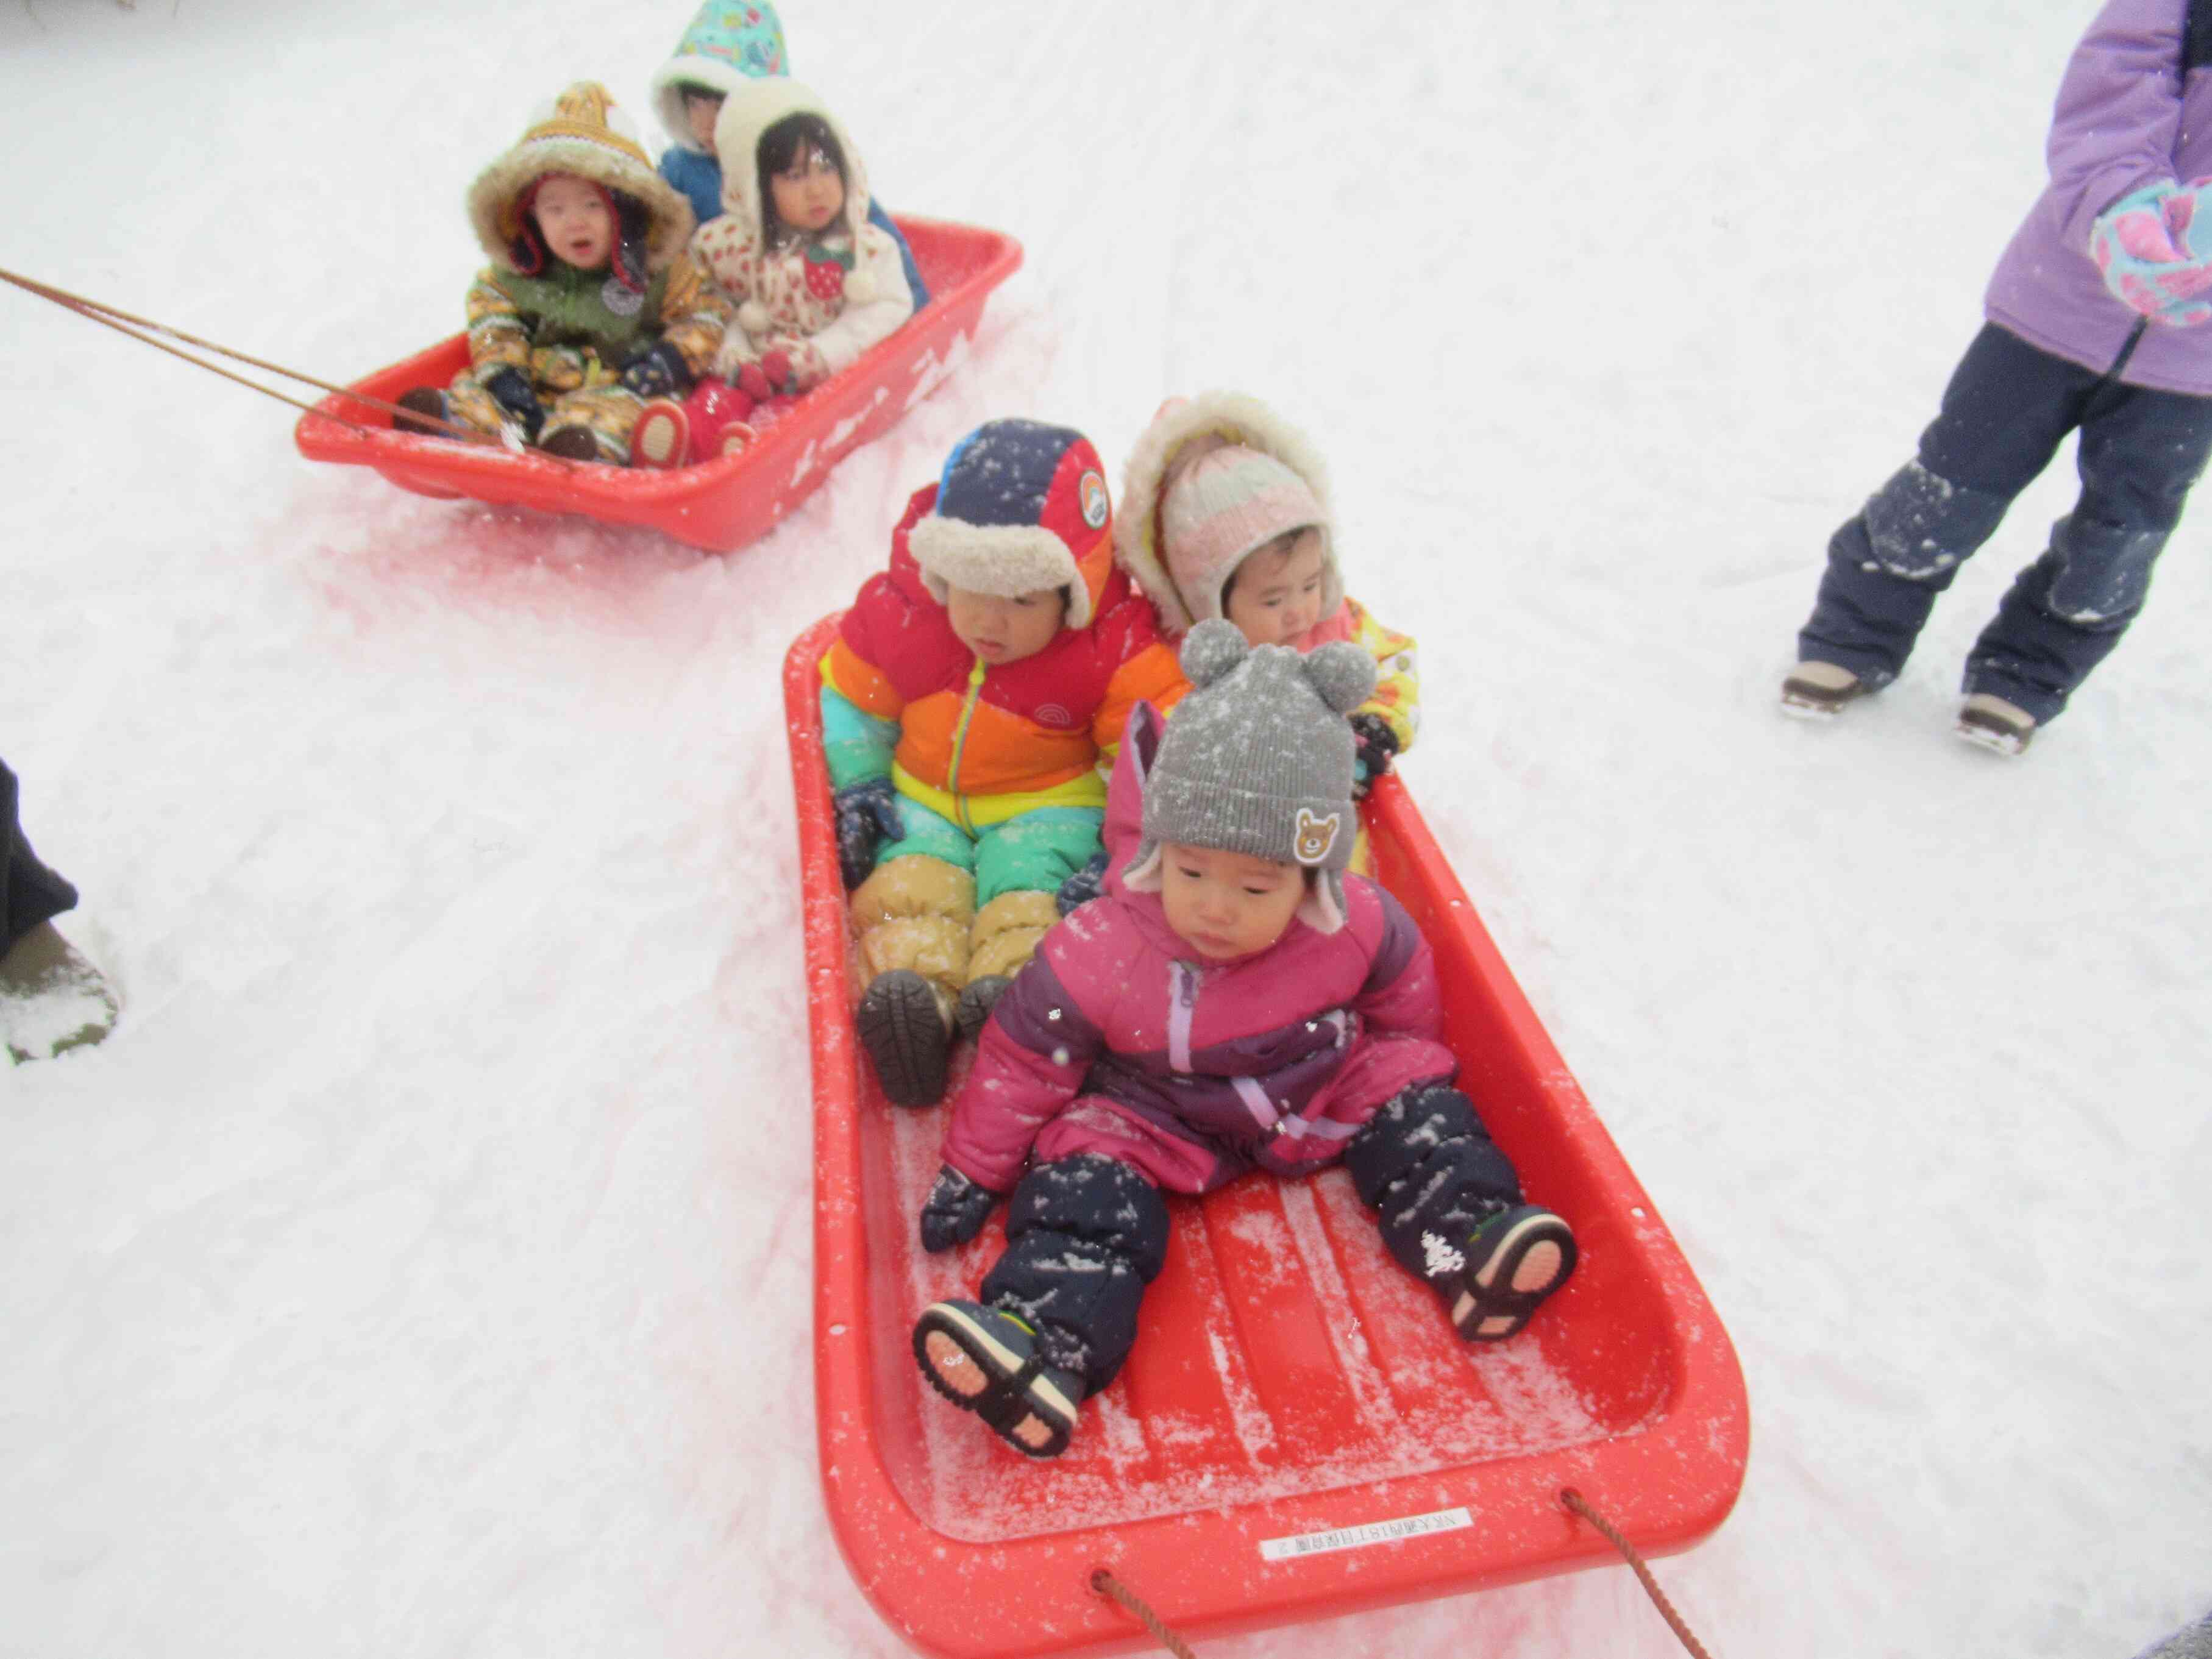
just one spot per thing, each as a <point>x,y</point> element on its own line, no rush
<point>905,1034</point>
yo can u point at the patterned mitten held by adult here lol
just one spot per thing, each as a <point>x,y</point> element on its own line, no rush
<point>2153,248</point>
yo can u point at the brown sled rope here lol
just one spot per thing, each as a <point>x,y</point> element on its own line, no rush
<point>1575,1502</point>
<point>125,323</point>
<point>1113,1590</point>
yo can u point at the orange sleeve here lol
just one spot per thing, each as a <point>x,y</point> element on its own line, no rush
<point>1151,675</point>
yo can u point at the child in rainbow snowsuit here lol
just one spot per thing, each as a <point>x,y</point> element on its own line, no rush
<point>965,755</point>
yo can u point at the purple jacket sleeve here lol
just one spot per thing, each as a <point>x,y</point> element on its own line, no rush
<point>1400,997</point>
<point>2119,112</point>
<point>1029,1062</point>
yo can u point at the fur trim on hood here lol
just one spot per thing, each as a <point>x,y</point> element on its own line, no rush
<point>728,44</point>
<point>749,109</point>
<point>1021,507</point>
<point>1184,429</point>
<point>583,134</point>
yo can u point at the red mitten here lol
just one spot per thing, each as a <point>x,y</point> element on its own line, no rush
<point>753,381</point>
<point>804,368</point>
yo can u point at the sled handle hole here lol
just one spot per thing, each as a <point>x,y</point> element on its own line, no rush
<point>1104,1582</point>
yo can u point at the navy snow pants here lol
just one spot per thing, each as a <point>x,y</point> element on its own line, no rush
<point>30,893</point>
<point>2007,409</point>
<point>1085,1235</point>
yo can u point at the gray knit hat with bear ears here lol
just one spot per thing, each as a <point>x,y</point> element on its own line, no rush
<point>1257,759</point>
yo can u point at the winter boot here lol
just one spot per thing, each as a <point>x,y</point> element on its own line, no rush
<point>422,400</point>
<point>903,1029</point>
<point>52,999</point>
<point>1515,1260</point>
<point>977,998</point>
<point>1990,722</point>
<point>661,439</point>
<point>1816,691</point>
<point>985,1361</point>
<point>718,411</point>
<point>573,443</point>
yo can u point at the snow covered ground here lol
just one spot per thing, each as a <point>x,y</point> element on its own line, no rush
<point>422,1268</point>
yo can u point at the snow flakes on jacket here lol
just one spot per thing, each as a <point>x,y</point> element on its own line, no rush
<point>1116,1039</point>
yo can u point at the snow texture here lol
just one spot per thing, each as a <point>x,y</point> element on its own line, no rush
<point>421,1267</point>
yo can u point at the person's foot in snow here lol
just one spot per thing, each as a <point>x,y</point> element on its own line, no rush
<point>52,999</point>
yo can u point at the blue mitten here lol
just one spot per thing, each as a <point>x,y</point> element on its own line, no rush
<point>868,816</point>
<point>955,1210</point>
<point>2155,250</point>
<point>1085,885</point>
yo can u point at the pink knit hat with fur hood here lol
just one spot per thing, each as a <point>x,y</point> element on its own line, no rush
<point>1211,479</point>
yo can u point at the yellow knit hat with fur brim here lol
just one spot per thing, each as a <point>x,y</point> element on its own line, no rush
<point>584,134</point>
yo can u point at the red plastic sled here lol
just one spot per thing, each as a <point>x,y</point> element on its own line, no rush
<point>721,505</point>
<point>1297,1433</point>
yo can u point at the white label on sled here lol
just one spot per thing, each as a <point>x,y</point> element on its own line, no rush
<point>1359,1538</point>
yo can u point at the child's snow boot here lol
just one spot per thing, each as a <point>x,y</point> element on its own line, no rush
<point>903,1027</point>
<point>718,412</point>
<point>422,400</point>
<point>1990,722</point>
<point>661,439</point>
<point>977,998</point>
<point>985,1361</point>
<point>52,999</point>
<point>1817,690</point>
<point>1515,1260</point>
<point>573,443</point>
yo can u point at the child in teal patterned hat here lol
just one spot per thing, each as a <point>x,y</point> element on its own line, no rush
<point>726,46</point>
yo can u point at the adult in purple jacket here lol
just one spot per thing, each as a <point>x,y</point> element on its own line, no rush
<point>1234,1000</point>
<point>2093,322</point>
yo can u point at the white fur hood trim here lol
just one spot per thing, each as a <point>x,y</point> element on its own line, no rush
<point>749,109</point>
<point>1238,419</point>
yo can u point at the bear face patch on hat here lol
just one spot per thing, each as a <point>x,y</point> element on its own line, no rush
<point>1258,759</point>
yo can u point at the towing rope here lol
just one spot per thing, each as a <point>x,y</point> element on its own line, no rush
<point>125,323</point>
<point>1574,1501</point>
<point>1112,1588</point>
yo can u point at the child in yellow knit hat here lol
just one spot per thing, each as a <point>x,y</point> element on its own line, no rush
<point>592,308</point>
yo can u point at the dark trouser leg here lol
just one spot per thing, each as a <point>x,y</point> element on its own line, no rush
<point>2141,452</point>
<point>1084,1236</point>
<point>1428,1166</point>
<point>2007,408</point>
<point>30,893</point>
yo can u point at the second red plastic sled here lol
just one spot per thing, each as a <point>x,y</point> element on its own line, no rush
<point>1297,1433</point>
<point>719,505</point>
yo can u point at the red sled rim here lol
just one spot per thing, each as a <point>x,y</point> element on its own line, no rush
<point>722,504</point>
<point>1251,1466</point>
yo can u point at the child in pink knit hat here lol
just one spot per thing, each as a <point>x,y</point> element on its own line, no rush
<point>1225,513</point>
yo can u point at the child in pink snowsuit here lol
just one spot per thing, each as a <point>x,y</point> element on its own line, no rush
<point>1235,1000</point>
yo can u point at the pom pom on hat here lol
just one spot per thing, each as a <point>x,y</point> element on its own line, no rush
<point>1212,649</point>
<point>753,318</point>
<point>1257,758</point>
<point>1342,673</point>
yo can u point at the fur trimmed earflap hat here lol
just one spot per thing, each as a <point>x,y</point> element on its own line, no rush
<point>581,134</point>
<point>1257,759</point>
<point>748,111</point>
<point>1021,506</point>
<point>1212,477</point>
<point>726,46</point>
